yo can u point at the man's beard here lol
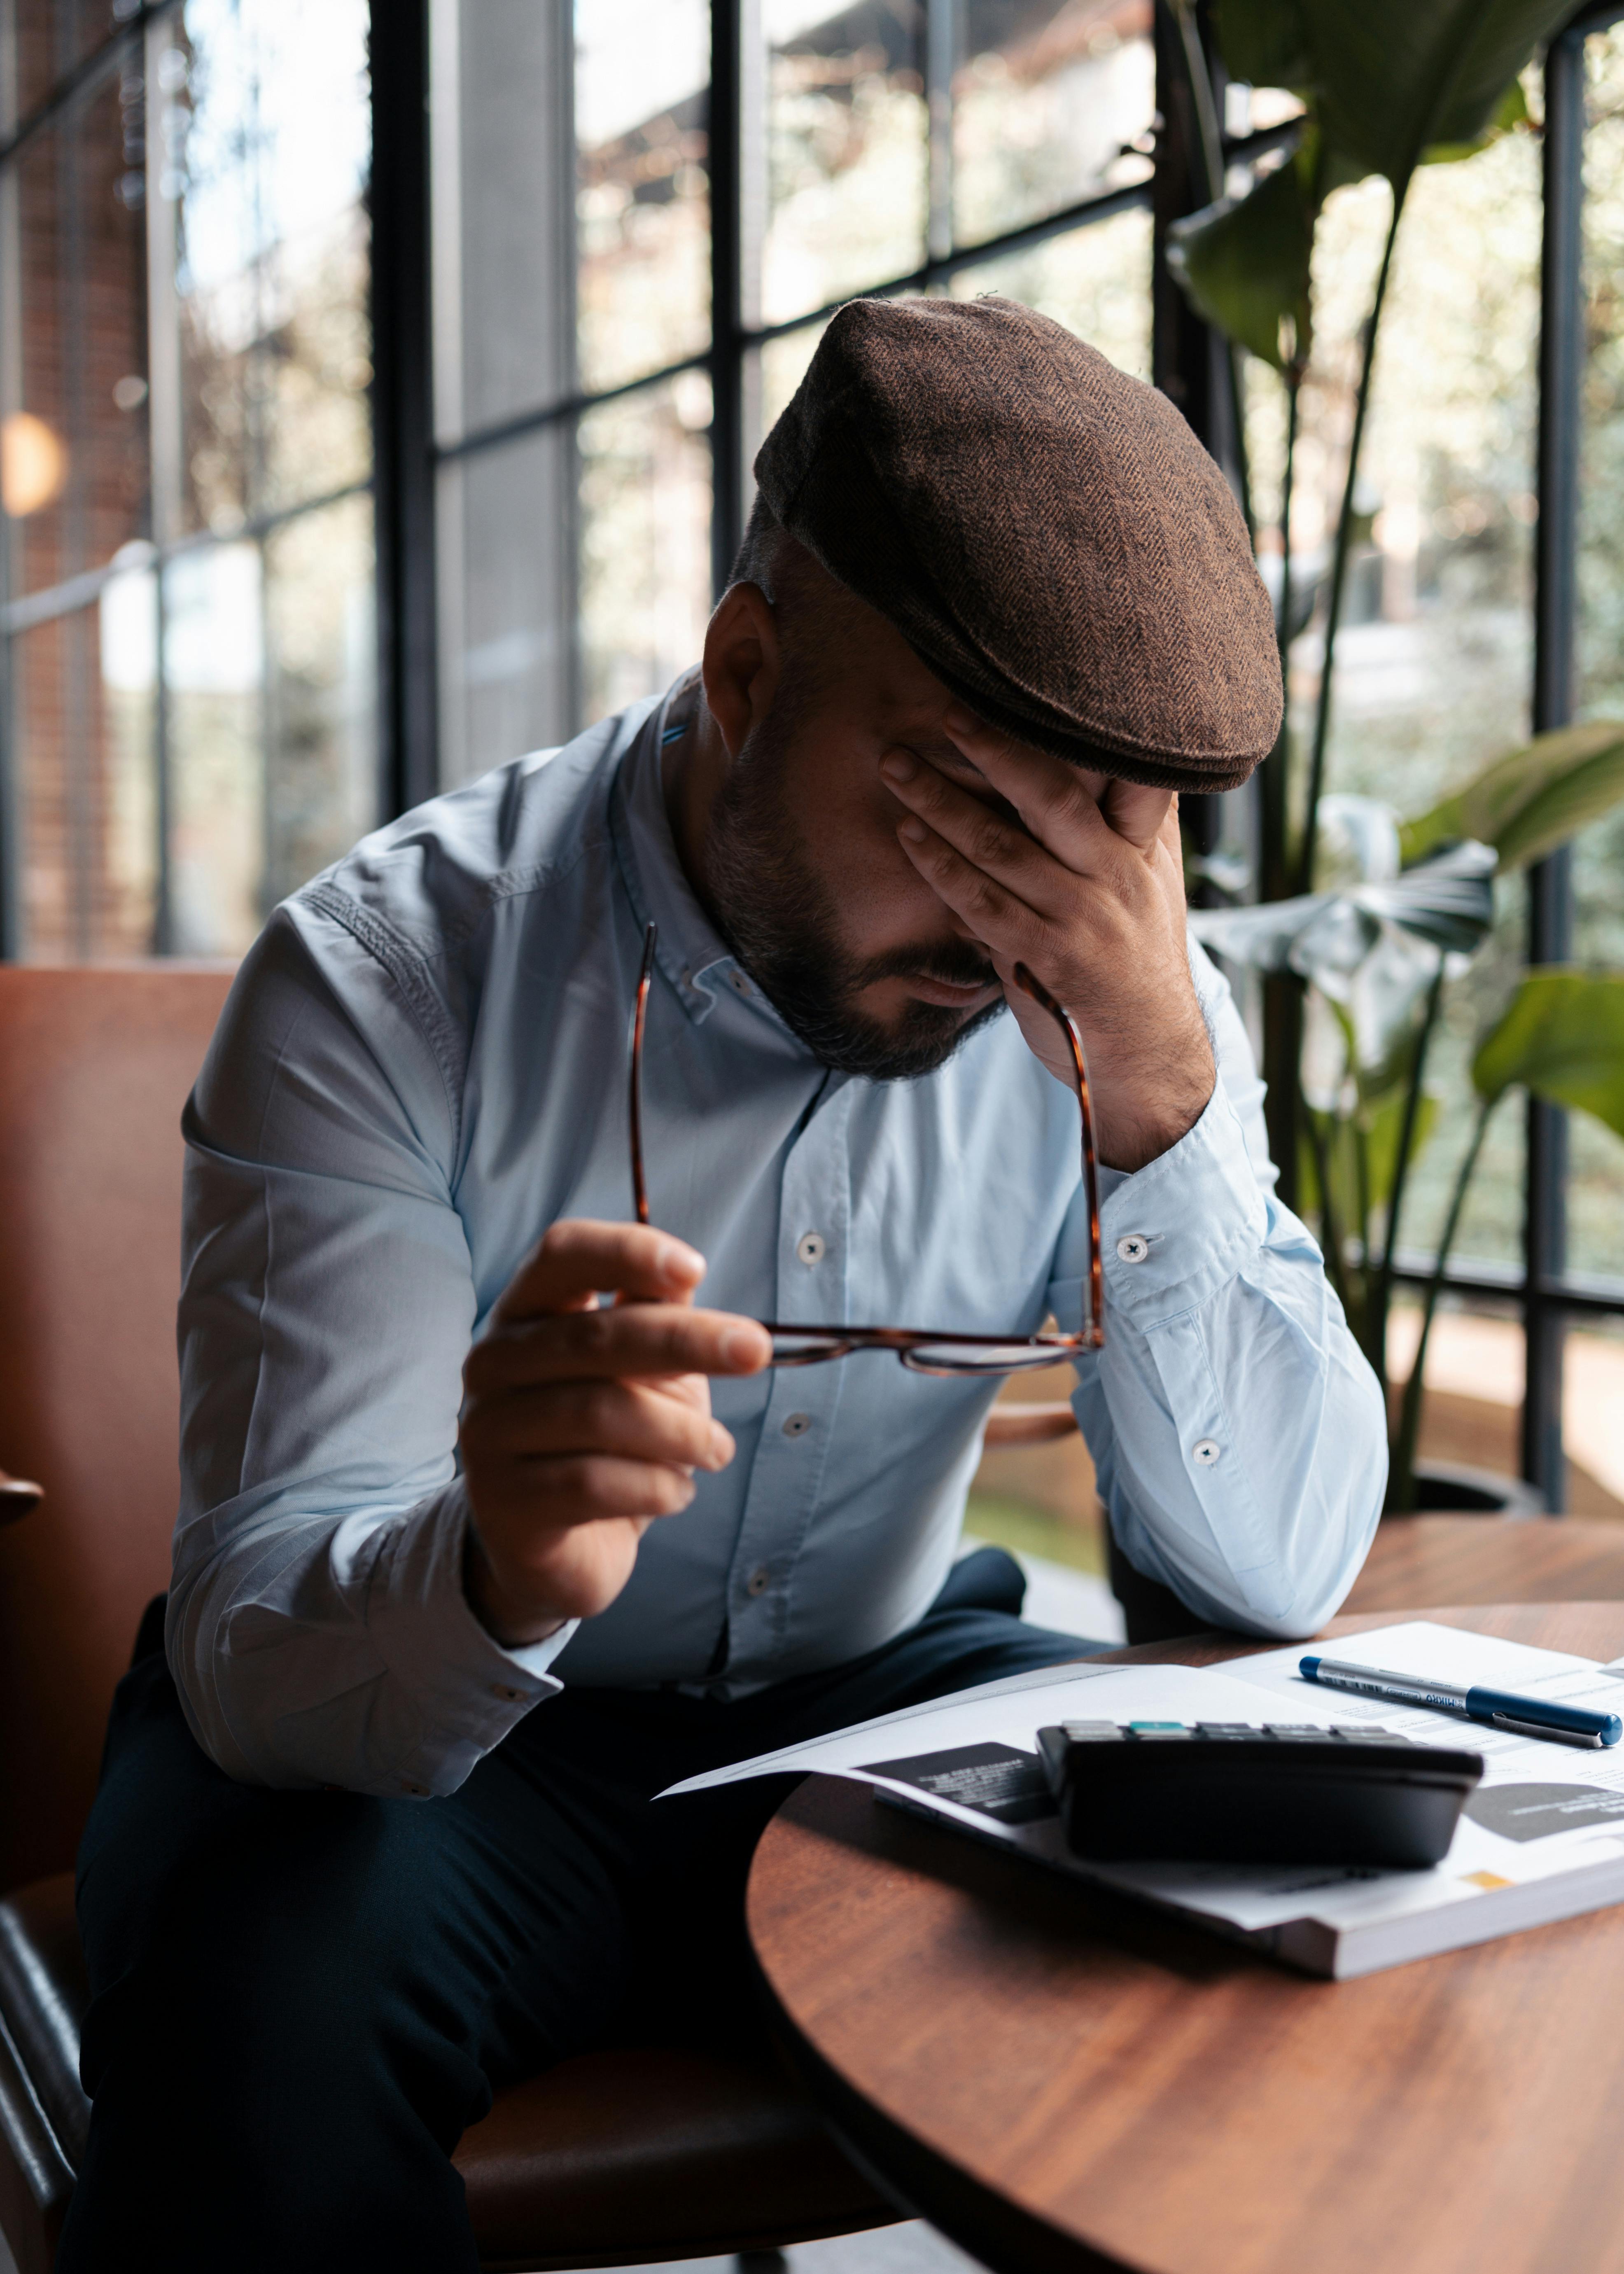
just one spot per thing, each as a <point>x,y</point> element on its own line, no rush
<point>783,923</point>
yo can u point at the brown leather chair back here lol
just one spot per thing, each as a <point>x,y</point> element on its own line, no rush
<point>94,1068</point>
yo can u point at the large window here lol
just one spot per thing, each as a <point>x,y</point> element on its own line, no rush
<point>445,332</point>
<point>188,574</point>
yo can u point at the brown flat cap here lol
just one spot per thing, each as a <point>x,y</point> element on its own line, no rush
<point>1046,533</point>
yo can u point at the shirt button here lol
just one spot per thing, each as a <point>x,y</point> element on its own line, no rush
<point>1133,1247</point>
<point>811,1247</point>
<point>1205,1451</point>
<point>759,1581</point>
<point>502,1690</point>
<point>417,1791</point>
<point>740,984</point>
<point>797,1425</point>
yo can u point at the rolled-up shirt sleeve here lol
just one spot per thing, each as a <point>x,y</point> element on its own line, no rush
<point>318,1627</point>
<point>1235,1427</point>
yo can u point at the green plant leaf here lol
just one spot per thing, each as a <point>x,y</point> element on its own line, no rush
<point>1531,799</point>
<point>1449,902</point>
<point>1395,78</point>
<point>1384,1127</point>
<point>1262,42</point>
<point>1243,264</point>
<point>1511,111</point>
<point>1562,1036</point>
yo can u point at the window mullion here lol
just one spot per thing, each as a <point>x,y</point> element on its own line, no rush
<point>1550,885</point>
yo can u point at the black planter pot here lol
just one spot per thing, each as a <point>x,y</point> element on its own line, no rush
<point>1443,1490</point>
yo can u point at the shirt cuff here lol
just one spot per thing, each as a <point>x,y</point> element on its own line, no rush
<point>471,1689</point>
<point>1181,1227</point>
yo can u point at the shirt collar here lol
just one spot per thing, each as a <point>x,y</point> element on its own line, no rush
<point>697,962</point>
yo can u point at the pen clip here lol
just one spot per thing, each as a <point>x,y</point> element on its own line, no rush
<point>1543,1729</point>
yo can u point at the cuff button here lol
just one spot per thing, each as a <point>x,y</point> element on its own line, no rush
<point>1133,1247</point>
<point>1205,1452</point>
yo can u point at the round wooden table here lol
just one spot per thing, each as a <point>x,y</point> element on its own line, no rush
<point>1060,2079</point>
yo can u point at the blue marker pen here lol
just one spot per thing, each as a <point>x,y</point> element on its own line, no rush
<point>1499,1709</point>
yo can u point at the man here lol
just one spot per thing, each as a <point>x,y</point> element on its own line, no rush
<point>444,1621</point>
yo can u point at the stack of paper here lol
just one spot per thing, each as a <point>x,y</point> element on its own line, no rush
<point>1542,1838</point>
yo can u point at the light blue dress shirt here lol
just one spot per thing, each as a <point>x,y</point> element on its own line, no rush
<point>422,1066</point>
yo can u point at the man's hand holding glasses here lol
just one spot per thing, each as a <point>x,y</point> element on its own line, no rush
<point>581,1424</point>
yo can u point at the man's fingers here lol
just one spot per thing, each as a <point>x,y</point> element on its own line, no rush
<point>577,1258</point>
<point>583,1489</point>
<point>997,917</point>
<point>1056,825</point>
<point>1062,805</point>
<point>1137,812</point>
<point>639,1339</point>
<point>628,1417</point>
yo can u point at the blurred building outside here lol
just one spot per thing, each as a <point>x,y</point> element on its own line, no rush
<point>197,673</point>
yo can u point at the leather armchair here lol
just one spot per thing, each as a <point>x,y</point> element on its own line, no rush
<point>611,2159</point>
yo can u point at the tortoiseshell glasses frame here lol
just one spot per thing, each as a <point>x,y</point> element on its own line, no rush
<point>923,1352</point>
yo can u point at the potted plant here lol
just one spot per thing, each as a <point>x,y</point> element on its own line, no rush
<point>1354,973</point>
<point>1386,88</point>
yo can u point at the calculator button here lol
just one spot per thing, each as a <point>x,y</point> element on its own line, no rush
<point>1158,1732</point>
<point>1299,1732</point>
<point>1092,1733</point>
<point>1225,1729</point>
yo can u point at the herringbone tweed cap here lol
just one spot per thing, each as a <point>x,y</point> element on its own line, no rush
<point>1046,533</point>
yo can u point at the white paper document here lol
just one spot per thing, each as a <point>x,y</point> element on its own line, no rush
<point>1542,1838</point>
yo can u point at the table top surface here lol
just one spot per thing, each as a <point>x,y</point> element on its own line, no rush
<point>1062,2080</point>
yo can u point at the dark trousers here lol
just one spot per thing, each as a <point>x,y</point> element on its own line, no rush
<point>302,1999</point>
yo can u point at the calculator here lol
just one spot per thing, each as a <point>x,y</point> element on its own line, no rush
<point>1225,1792</point>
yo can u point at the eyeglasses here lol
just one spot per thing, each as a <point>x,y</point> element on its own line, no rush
<point>923,1353</point>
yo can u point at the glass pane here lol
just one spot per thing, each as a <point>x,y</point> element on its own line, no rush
<point>783,366</point>
<point>320,696</point>
<point>503,248</point>
<point>1434,658</point>
<point>846,160</point>
<point>645,545</point>
<point>73,460</point>
<point>1491,1226</point>
<point>214,665</point>
<point>265,153</point>
<point>1596,1197</point>
<point>643,196</point>
<point>1048,107</point>
<point>84,757</point>
<point>128,644</point>
<point>1095,281</point>
<point>504,529</point>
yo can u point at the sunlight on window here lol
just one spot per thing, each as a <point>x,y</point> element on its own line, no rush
<point>846,153</point>
<point>1057,113</point>
<point>643,199</point>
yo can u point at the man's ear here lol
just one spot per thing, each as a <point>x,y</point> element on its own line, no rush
<point>742,663</point>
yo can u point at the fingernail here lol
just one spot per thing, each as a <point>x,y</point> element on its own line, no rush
<point>679,1261</point>
<point>722,1448</point>
<point>959,721</point>
<point>742,1347</point>
<point>899,766</point>
<point>913,829</point>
